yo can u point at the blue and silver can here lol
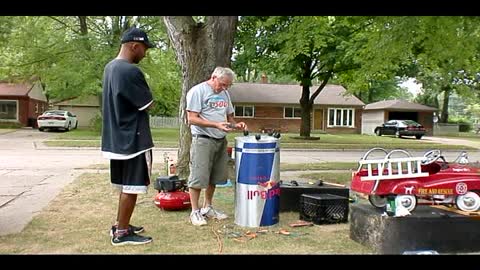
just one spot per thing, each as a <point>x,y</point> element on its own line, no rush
<point>257,194</point>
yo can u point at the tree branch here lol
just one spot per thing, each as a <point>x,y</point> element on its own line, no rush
<point>319,89</point>
<point>38,61</point>
<point>63,23</point>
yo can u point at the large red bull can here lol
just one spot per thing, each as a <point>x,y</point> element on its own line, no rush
<point>257,192</point>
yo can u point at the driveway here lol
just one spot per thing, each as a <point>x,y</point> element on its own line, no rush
<point>453,141</point>
<point>30,178</point>
<point>31,175</point>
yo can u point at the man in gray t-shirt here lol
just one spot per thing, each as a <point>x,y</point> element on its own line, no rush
<point>210,115</point>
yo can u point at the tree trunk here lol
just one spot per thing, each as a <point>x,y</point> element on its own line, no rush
<point>83,25</point>
<point>199,49</point>
<point>307,101</point>
<point>306,109</point>
<point>84,32</point>
<point>446,97</point>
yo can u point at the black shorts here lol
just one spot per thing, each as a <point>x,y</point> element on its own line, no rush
<point>132,175</point>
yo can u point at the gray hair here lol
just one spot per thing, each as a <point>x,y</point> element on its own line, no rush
<point>221,72</point>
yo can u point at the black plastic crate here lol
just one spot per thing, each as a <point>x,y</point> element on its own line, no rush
<point>290,193</point>
<point>323,208</point>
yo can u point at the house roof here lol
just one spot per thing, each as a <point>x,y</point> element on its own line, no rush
<point>290,94</point>
<point>92,101</point>
<point>14,89</point>
<point>398,104</point>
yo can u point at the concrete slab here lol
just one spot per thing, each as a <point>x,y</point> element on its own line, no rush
<point>21,180</point>
<point>4,199</point>
<point>427,228</point>
<point>12,191</point>
<point>37,173</point>
<point>15,216</point>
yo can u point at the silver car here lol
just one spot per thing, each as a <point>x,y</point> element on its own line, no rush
<point>57,119</point>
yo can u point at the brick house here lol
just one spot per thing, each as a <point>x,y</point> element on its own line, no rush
<point>276,106</point>
<point>22,102</point>
<point>377,113</point>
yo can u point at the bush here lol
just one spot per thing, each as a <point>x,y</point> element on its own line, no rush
<point>463,124</point>
<point>464,127</point>
<point>96,122</point>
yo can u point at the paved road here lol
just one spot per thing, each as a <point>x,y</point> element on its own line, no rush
<point>31,175</point>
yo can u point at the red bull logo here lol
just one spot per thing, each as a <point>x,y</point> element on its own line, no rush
<point>271,189</point>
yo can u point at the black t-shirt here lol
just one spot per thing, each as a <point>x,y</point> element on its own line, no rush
<point>126,129</point>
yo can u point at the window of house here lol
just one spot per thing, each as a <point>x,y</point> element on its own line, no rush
<point>341,117</point>
<point>292,112</point>
<point>36,107</point>
<point>244,111</point>
<point>8,109</point>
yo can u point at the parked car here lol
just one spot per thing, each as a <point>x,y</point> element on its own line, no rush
<point>401,128</point>
<point>57,119</point>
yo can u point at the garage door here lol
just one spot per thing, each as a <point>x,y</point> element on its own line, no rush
<point>84,114</point>
<point>370,120</point>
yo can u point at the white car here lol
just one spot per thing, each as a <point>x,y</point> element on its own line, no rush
<point>57,119</point>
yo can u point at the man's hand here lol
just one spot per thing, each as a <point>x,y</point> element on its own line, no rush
<point>241,125</point>
<point>225,126</point>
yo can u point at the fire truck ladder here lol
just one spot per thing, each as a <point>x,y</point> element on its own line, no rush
<point>384,169</point>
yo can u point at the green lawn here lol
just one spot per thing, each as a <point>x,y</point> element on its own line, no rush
<point>168,137</point>
<point>78,220</point>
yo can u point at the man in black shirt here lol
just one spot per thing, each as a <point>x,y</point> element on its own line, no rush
<point>126,137</point>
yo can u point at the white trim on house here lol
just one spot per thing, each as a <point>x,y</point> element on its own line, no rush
<point>347,119</point>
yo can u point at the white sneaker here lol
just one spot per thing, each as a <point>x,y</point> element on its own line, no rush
<point>210,212</point>
<point>197,219</point>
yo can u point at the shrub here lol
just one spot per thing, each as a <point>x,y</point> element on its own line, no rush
<point>464,125</point>
<point>96,122</point>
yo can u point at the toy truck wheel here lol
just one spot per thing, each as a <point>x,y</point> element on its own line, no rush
<point>468,202</point>
<point>377,201</point>
<point>408,201</point>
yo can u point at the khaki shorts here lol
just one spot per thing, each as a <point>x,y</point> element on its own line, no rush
<point>208,162</point>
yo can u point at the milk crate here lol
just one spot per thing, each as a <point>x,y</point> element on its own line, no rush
<point>291,192</point>
<point>323,208</point>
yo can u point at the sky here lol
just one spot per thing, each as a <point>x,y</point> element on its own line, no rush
<point>413,87</point>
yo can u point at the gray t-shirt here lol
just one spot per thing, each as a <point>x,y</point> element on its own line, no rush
<point>210,106</point>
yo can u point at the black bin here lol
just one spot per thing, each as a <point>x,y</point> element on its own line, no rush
<point>323,208</point>
<point>290,193</point>
<point>32,122</point>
